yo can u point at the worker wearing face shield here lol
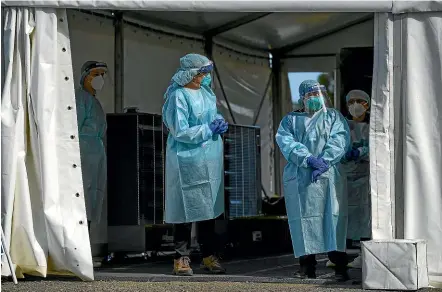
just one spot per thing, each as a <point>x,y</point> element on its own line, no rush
<point>92,126</point>
<point>194,161</point>
<point>313,143</point>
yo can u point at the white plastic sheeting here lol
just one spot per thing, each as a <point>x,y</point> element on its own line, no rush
<point>421,87</point>
<point>93,38</point>
<point>217,5</point>
<point>405,137</point>
<point>43,210</point>
<point>382,131</point>
<point>395,6</point>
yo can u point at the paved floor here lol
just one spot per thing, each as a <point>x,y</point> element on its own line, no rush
<point>271,269</point>
<point>272,273</point>
<point>131,286</point>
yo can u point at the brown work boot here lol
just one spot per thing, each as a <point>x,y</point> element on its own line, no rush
<point>212,265</point>
<point>182,267</point>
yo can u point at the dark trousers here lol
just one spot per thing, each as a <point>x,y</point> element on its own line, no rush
<point>339,258</point>
<point>350,241</point>
<point>206,237</point>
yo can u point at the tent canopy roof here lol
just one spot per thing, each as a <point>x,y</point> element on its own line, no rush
<point>394,6</point>
<point>277,26</point>
<point>259,31</point>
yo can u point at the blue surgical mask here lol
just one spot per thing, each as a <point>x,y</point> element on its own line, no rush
<point>314,104</point>
<point>206,80</point>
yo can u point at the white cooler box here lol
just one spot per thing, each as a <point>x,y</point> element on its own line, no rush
<point>396,264</point>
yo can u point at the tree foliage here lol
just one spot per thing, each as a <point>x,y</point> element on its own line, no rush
<point>326,79</point>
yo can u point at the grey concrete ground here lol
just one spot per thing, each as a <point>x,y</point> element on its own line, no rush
<point>123,286</point>
<point>273,273</point>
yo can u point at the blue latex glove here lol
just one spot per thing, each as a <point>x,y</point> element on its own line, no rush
<point>352,154</point>
<point>320,166</point>
<point>316,163</point>
<point>224,126</point>
<point>317,173</point>
<point>216,126</point>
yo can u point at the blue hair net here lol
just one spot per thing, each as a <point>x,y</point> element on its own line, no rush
<point>189,68</point>
<point>357,94</point>
<point>304,86</point>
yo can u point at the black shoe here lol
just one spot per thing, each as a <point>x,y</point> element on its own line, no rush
<point>303,275</point>
<point>342,276</point>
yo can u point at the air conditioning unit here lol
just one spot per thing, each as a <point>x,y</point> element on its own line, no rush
<point>242,171</point>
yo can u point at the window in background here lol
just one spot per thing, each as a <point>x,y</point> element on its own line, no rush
<point>324,78</point>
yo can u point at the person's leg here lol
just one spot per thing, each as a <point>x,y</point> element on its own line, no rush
<point>340,260</point>
<point>182,235</point>
<point>307,265</point>
<point>207,239</point>
<point>357,262</point>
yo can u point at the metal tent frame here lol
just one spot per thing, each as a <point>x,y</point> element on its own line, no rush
<point>207,36</point>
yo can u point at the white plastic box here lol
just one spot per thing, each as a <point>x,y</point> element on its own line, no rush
<point>396,264</point>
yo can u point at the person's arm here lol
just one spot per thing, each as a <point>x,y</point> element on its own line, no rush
<point>339,141</point>
<point>83,109</point>
<point>294,151</point>
<point>364,151</point>
<point>177,117</point>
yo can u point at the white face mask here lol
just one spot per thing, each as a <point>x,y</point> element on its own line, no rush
<point>97,82</point>
<point>356,110</point>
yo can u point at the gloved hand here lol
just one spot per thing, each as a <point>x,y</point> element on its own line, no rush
<point>352,154</point>
<point>217,126</point>
<point>224,126</point>
<point>317,173</point>
<point>316,163</point>
<point>320,166</point>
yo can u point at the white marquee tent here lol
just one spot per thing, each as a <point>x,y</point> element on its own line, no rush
<point>46,42</point>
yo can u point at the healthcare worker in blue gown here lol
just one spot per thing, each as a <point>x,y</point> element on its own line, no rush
<point>357,166</point>
<point>313,144</point>
<point>92,127</point>
<point>194,161</point>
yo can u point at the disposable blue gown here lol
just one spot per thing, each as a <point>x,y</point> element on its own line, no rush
<point>194,156</point>
<point>358,184</point>
<point>317,212</point>
<point>92,126</point>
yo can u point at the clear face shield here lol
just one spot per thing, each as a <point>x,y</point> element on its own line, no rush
<point>203,74</point>
<point>316,99</point>
<point>204,69</point>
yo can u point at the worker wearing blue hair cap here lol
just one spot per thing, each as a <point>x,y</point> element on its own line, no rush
<point>313,142</point>
<point>92,125</point>
<point>194,161</point>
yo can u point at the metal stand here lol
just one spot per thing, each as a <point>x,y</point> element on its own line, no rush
<point>5,250</point>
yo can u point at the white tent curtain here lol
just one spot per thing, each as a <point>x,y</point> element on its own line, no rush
<point>382,130</point>
<point>405,140</point>
<point>43,212</point>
